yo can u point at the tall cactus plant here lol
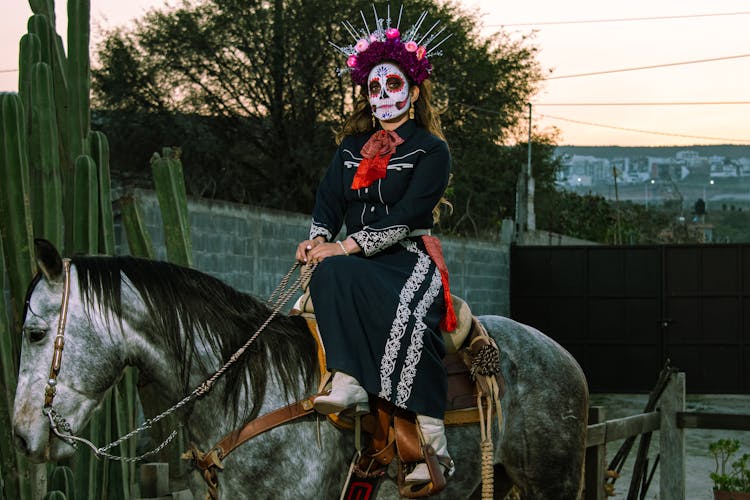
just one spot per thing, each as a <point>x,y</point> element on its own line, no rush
<point>44,161</point>
<point>15,206</point>
<point>54,183</point>
<point>170,190</point>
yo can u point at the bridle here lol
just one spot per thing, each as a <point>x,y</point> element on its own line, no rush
<point>51,390</point>
<point>62,429</point>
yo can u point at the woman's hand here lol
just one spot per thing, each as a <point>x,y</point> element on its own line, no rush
<point>305,246</point>
<point>320,252</point>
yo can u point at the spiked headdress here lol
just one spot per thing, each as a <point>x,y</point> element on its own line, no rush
<point>385,42</point>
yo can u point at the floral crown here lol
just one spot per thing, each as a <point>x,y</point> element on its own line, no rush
<point>386,43</point>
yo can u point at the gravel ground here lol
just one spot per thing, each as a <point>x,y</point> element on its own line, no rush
<point>699,462</point>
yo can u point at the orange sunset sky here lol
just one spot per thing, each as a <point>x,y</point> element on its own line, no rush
<point>576,37</point>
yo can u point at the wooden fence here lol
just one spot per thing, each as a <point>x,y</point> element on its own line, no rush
<point>670,420</point>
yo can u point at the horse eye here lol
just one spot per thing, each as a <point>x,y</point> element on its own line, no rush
<point>36,334</point>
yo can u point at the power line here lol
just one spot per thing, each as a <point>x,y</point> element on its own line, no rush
<point>614,127</point>
<point>620,20</point>
<point>654,132</point>
<point>654,103</point>
<point>638,68</point>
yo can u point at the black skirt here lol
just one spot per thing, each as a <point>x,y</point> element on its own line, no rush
<point>379,320</point>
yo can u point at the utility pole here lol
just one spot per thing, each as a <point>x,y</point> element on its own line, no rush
<point>618,229</point>
<point>531,216</point>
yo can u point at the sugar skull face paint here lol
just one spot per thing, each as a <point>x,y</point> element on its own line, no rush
<point>388,91</point>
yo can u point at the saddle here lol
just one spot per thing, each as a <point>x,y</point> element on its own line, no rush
<point>472,365</point>
<point>475,387</point>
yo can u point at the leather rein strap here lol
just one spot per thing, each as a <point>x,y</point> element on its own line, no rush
<point>209,462</point>
<point>54,369</point>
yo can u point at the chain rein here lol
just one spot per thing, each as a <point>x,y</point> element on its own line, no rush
<point>285,292</point>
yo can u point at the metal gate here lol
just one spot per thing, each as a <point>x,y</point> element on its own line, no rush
<point>622,311</point>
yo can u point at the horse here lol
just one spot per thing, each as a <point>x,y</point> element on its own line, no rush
<point>178,326</point>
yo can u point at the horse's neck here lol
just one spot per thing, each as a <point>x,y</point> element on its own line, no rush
<point>161,376</point>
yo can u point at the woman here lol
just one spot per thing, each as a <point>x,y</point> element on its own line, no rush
<point>379,295</point>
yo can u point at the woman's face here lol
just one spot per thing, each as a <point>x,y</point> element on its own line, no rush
<point>388,91</point>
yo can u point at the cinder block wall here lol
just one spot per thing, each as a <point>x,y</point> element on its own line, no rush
<point>251,248</point>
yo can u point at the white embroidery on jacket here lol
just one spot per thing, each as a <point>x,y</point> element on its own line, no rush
<point>318,230</point>
<point>408,154</point>
<point>414,351</point>
<point>398,327</point>
<point>374,240</point>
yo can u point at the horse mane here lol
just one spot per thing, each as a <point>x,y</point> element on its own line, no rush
<point>205,309</point>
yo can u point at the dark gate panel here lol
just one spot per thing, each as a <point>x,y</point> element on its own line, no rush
<point>622,311</point>
<point>703,306</point>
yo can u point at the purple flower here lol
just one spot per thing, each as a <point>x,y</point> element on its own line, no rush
<point>351,61</point>
<point>392,33</point>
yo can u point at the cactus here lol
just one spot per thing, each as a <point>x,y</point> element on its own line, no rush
<point>170,190</point>
<point>46,137</point>
<point>39,26</point>
<point>79,79</point>
<point>29,54</point>
<point>61,479</point>
<point>99,147</point>
<point>55,495</point>
<point>139,241</point>
<point>44,159</point>
<point>15,214</point>
<point>11,463</point>
<point>85,206</point>
<point>123,421</point>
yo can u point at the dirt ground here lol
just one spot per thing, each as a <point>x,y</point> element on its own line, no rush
<point>699,461</point>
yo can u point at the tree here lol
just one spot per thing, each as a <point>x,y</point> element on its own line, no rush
<point>250,92</point>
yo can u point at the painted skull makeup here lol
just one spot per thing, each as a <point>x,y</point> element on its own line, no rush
<point>388,91</point>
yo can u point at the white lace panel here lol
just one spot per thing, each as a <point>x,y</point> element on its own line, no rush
<point>372,241</point>
<point>414,351</point>
<point>317,230</point>
<point>398,328</point>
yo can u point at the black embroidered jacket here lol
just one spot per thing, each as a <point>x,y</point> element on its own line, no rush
<point>389,209</point>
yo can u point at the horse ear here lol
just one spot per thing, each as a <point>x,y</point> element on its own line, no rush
<point>48,259</point>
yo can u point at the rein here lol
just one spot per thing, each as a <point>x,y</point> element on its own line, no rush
<point>62,429</point>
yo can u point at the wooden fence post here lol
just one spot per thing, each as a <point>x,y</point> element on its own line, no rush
<point>154,480</point>
<point>596,457</point>
<point>672,441</point>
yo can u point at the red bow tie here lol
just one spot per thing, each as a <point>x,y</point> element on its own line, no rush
<point>376,153</point>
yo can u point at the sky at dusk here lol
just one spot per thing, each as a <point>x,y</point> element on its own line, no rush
<point>694,31</point>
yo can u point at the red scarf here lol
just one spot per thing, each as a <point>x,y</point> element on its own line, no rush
<point>376,154</point>
<point>435,251</point>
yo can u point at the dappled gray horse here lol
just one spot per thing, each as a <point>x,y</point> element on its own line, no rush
<point>178,326</point>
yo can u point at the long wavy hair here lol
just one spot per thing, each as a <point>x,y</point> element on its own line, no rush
<point>361,121</point>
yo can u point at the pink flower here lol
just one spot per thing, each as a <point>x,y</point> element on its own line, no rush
<point>411,46</point>
<point>392,33</point>
<point>362,45</point>
<point>373,37</point>
<point>351,61</point>
<point>421,51</point>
